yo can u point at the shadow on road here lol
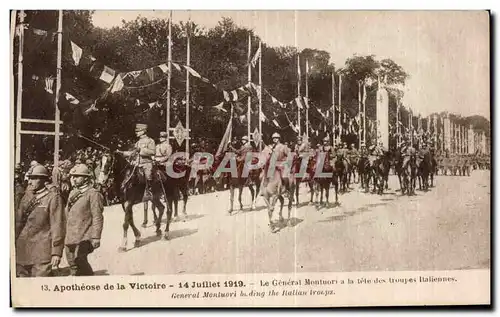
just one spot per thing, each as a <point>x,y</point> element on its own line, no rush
<point>181,233</point>
<point>65,271</point>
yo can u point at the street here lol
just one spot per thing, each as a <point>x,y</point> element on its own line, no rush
<point>445,228</point>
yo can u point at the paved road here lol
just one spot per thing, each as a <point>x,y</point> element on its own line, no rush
<point>445,228</point>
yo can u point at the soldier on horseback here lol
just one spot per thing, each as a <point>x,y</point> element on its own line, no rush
<point>146,149</point>
<point>280,154</point>
<point>407,151</point>
<point>163,149</point>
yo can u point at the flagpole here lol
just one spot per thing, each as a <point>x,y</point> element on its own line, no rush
<point>169,75</point>
<point>249,104</point>
<point>397,122</point>
<point>260,93</point>
<point>359,114</point>
<point>340,108</point>
<point>188,58</point>
<point>58,89</point>
<point>307,98</point>
<point>298,73</point>
<point>333,107</point>
<point>19,103</point>
<point>364,112</point>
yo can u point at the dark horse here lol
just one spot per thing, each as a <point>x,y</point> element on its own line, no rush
<point>174,188</point>
<point>240,181</point>
<point>130,183</point>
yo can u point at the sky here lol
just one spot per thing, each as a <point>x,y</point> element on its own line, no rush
<point>446,53</point>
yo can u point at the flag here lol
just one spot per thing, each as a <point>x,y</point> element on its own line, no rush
<point>274,99</point>
<point>134,73</point>
<point>235,95</point>
<point>71,99</point>
<point>176,66</point>
<point>220,107</point>
<point>49,83</point>
<point>299,102</point>
<point>192,71</point>
<point>263,117</point>
<point>117,84</point>
<point>226,95</point>
<point>276,124</point>
<point>163,67</point>
<point>225,139</point>
<point>306,101</point>
<point>150,73</point>
<point>107,75</point>
<point>77,53</point>
<point>255,58</point>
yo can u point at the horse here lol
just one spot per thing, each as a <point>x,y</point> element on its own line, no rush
<point>364,172</point>
<point>409,173</point>
<point>239,181</point>
<point>174,188</point>
<point>130,183</point>
<point>273,189</point>
<point>307,178</point>
<point>424,166</point>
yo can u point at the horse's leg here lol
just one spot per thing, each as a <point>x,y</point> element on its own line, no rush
<point>336,187</point>
<point>252,193</point>
<point>231,197</point>
<point>169,218</point>
<point>311,189</point>
<point>127,209</point>
<point>282,202</point>
<point>297,195</point>
<point>160,216</point>
<point>327,192</point>
<point>257,189</point>
<point>137,232</point>
<point>240,191</point>
<point>145,222</point>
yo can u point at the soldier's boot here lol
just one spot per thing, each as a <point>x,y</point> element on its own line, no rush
<point>148,193</point>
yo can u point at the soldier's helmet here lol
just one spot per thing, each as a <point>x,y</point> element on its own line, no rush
<point>80,170</point>
<point>244,138</point>
<point>141,127</point>
<point>39,171</point>
<point>163,135</point>
<point>276,135</point>
<point>326,138</point>
<point>34,163</point>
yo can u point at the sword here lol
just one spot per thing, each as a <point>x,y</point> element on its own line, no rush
<point>94,142</point>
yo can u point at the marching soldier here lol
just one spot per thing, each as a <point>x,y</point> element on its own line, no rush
<point>146,148</point>
<point>363,152</point>
<point>84,221</point>
<point>40,228</point>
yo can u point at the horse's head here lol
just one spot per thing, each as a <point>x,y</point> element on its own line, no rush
<point>107,168</point>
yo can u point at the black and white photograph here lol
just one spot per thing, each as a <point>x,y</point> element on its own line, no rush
<point>283,146</point>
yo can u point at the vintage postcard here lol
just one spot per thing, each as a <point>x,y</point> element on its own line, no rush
<point>250,158</point>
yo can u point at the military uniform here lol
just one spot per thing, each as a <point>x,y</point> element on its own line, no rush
<point>84,225</point>
<point>407,151</point>
<point>163,152</point>
<point>40,230</point>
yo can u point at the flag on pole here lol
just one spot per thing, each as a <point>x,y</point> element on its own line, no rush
<point>225,139</point>
<point>107,75</point>
<point>255,58</point>
<point>298,100</point>
<point>77,53</point>
<point>276,124</point>
<point>192,71</point>
<point>220,107</point>
<point>49,83</point>
<point>163,67</point>
<point>117,84</point>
